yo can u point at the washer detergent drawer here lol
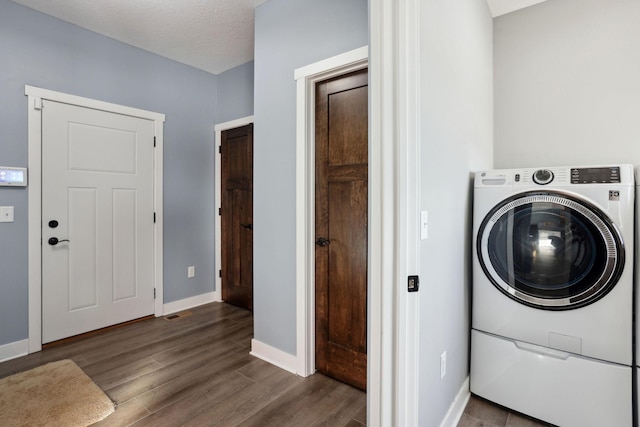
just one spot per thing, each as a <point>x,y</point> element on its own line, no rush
<point>550,385</point>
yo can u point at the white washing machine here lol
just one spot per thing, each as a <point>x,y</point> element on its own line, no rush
<point>553,292</point>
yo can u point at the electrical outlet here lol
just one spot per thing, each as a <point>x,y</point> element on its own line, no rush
<point>443,364</point>
<point>191,271</point>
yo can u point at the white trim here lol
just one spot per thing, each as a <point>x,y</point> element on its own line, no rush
<point>306,78</point>
<point>454,414</point>
<point>218,195</point>
<point>35,220</point>
<point>384,351</point>
<point>158,233</point>
<point>354,56</point>
<point>408,212</point>
<point>34,113</point>
<point>14,350</point>
<point>187,303</point>
<point>92,103</point>
<point>273,355</point>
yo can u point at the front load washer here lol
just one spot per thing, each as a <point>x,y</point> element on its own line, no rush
<point>553,292</point>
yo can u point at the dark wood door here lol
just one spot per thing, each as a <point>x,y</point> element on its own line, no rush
<point>237,216</point>
<point>341,227</point>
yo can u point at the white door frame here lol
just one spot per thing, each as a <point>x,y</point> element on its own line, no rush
<point>395,137</point>
<point>35,96</point>
<point>219,128</point>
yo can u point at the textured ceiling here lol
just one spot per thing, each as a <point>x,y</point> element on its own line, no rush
<point>500,7</point>
<point>212,35</point>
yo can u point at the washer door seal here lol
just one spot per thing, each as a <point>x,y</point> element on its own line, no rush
<point>550,250</point>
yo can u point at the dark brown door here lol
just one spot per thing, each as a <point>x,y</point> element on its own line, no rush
<point>237,216</point>
<point>341,228</point>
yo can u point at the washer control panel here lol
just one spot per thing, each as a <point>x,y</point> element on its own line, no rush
<point>595,175</point>
<point>556,176</point>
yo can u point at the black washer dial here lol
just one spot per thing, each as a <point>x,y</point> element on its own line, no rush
<point>543,176</point>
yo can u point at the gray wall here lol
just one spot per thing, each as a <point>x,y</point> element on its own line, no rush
<point>42,51</point>
<point>456,110</point>
<point>289,34</point>
<point>235,93</point>
<point>567,86</point>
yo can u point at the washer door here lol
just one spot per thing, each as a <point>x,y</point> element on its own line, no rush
<point>550,250</point>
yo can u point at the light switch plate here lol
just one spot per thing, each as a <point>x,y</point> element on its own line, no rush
<point>424,225</point>
<point>6,213</point>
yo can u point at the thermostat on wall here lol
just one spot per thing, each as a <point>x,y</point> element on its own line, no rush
<point>15,177</point>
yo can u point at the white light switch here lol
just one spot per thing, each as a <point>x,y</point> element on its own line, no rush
<point>191,271</point>
<point>6,213</point>
<point>424,225</point>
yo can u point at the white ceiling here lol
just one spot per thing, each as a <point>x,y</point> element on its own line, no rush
<point>212,35</point>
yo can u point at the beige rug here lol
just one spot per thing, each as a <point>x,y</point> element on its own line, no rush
<point>55,394</point>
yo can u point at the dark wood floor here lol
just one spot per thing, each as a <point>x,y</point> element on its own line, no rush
<point>482,413</point>
<point>195,370</point>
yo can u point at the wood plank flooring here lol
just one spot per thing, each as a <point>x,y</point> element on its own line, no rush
<point>482,413</point>
<point>195,370</point>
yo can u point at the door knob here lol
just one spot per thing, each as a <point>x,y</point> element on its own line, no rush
<point>247,226</point>
<point>322,241</point>
<point>54,241</point>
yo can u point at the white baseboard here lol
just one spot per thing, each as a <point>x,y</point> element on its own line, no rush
<point>274,356</point>
<point>14,350</point>
<point>457,407</point>
<point>184,304</point>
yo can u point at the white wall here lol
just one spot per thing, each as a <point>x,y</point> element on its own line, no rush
<point>456,104</point>
<point>567,84</point>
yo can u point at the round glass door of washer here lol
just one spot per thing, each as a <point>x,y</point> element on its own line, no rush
<point>550,250</point>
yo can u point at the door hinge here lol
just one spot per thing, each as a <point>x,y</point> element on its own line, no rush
<point>154,293</point>
<point>154,217</point>
<point>37,104</point>
<point>154,141</point>
<point>219,211</point>
<point>220,149</point>
<point>219,273</point>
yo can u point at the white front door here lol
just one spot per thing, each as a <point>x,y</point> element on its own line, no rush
<point>97,200</point>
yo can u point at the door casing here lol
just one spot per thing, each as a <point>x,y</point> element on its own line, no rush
<point>34,113</point>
